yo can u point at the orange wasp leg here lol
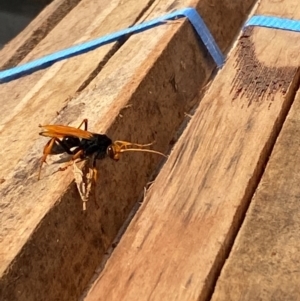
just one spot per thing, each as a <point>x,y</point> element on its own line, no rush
<point>95,174</point>
<point>85,122</point>
<point>46,152</point>
<point>75,157</point>
<point>48,147</point>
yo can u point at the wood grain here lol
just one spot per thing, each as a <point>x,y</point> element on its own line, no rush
<point>176,244</point>
<point>263,263</point>
<point>49,248</point>
<point>42,94</point>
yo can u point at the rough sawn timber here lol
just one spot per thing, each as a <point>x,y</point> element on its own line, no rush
<point>178,241</point>
<point>264,261</point>
<point>49,248</point>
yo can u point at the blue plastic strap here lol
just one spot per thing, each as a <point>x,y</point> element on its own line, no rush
<point>50,59</point>
<point>274,22</point>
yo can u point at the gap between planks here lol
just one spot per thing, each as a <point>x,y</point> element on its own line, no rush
<point>48,216</point>
<point>265,255</point>
<point>177,243</point>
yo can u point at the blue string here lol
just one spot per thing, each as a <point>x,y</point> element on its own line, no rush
<point>48,60</point>
<point>274,22</point>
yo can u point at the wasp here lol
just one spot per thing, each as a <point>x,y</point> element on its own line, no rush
<point>82,144</point>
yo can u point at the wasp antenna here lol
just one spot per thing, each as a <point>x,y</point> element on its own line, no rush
<point>128,144</point>
<point>142,150</point>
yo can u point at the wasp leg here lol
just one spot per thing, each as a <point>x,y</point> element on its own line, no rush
<point>85,122</point>
<point>95,172</point>
<point>65,147</point>
<point>48,150</point>
<point>76,156</point>
<point>95,176</point>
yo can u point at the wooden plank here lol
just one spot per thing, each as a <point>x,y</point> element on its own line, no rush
<point>264,261</point>
<point>13,52</point>
<point>23,126</point>
<point>151,72</point>
<point>49,88</point>
<point>178,241</point>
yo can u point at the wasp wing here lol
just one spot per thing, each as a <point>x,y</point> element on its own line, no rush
<point>62,131</point>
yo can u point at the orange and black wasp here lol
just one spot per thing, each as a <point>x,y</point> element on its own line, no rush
<point>82,144</point>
